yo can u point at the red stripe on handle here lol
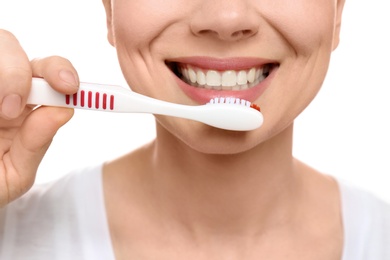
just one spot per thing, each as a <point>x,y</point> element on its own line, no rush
<point>75,99</point>
<point>112,102</point>
<point>104,101</point>
<point>89,99</point>
<point>97,95</point>
<point>82,98</point>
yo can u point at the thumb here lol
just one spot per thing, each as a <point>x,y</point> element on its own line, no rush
<point>32,142</point>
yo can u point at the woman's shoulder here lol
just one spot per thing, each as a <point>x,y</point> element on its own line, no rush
<point>366,204</point>
<point>62,197</point>
<point>366,220</point>
<point>69,187</point>
<point>67,213</point>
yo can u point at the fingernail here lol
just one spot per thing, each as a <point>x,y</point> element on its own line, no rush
<point>12,106</point>
<point>68,78</point>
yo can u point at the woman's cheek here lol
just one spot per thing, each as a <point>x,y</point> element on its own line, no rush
<point>305,25</point>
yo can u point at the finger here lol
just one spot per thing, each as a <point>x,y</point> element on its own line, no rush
<point>58,72</point>
<point>15,76</point>
<point>30,145</point>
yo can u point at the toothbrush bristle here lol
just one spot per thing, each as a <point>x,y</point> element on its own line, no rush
<point>254,106</point>
<point>237,101</point>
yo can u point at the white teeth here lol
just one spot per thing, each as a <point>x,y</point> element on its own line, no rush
<point>241,77</point>
<point>229,78</point>
<point>213,78</point>
<point>192,76</point>
<point>226,80</point>
<point>201,78</point>
<point>251,75</point>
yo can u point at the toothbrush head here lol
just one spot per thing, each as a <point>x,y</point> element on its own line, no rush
<point>236,101</point>
<point>238,114</point>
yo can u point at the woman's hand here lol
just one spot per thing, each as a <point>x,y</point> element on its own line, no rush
<point>26,133</point>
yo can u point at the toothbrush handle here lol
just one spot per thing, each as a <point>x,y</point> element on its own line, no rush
<point>101,98</point>
<point>89,96</point>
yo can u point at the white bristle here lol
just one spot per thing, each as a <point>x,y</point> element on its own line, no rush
<point>230,100</point>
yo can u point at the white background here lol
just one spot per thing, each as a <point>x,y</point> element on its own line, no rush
<point>344,132</point>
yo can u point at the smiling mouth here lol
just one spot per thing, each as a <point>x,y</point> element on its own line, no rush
<point>231,80</point>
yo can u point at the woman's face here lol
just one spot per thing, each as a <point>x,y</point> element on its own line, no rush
<point>274,53</point>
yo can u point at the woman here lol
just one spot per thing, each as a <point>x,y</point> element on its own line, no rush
<point>195,192</point>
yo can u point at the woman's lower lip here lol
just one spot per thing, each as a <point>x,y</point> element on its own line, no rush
<point>203,95</point>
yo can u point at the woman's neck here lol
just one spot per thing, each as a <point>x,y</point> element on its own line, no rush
<point>261,199</point>
<point>236,193</point>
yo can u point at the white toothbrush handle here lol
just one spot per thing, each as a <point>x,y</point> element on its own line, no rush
<point>99,97</point>
<point>118,99</point>
<point>89,96</point>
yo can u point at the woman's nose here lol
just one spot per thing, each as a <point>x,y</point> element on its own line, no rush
<point>225,20</point>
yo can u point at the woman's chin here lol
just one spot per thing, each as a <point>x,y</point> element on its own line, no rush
<point>207,139</point>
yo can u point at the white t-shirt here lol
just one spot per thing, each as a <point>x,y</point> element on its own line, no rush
<point>66,220</point>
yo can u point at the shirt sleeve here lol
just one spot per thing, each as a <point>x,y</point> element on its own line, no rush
<point>366,221</point>
<point>65,219</point>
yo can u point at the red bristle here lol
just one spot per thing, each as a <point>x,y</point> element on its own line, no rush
<point>255,107</point>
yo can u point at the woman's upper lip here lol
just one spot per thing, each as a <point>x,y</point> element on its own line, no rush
<point>222,64</point>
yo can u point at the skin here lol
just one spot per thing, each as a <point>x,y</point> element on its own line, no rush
<point>197,192</point>
<point>230,195</point>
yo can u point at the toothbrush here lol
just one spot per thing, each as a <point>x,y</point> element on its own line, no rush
<point>225,113</point>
